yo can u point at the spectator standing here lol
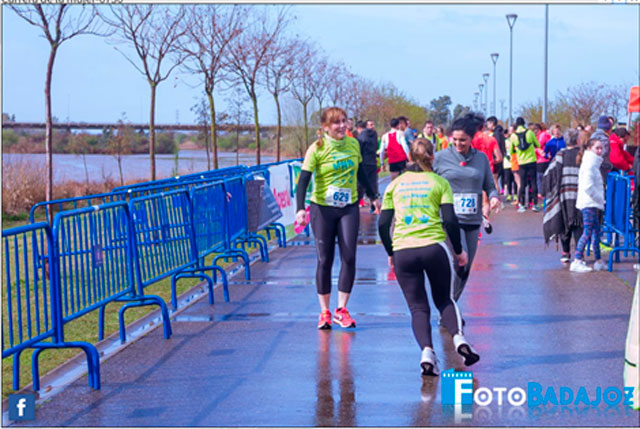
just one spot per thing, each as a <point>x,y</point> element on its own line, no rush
<point>368,140</point>
<point>602,134</point>
<point>394,147</point>
<point>556,143</point>
<point>429,134</point>
<point>591,202</point>
<point>524,143</point>
<point>620,158</point>
<point>562,220</point>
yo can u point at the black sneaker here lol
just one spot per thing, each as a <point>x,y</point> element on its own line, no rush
<point>487,225</point>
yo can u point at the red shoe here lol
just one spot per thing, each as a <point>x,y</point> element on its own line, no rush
<point>343,318</point>
<point>325,320</point>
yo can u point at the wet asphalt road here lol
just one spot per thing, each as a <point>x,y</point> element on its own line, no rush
<point>260,361</point>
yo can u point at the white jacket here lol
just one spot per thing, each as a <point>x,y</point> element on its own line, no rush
<point>590,185</point>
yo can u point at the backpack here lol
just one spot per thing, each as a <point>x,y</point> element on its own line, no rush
<point>523,144</point>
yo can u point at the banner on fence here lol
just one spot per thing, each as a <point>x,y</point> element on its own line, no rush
<point>280,179</point>
<point>262,208</point>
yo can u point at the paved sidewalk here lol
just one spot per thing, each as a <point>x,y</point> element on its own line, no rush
<point>260,361</point>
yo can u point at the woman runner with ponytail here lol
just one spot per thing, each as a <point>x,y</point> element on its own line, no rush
<point>415,199</point>
<point>336,161</point>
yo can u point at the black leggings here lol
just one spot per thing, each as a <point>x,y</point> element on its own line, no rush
<point>510,182</point>
<point>328,223</point>
<point>411,265</point>
<point>528,177</point>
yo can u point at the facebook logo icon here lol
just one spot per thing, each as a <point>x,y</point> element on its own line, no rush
<point>22,407</point>
<point>456,387</point>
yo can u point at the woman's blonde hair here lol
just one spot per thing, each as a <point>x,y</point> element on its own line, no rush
<point>422,153</point>
<point>329,115</point>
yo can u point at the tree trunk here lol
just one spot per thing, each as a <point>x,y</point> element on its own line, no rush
<point>278,130</point>
<point>120,170</point>
<point>238,145</point>
<point>206,145</point>
<point>152,132</point>
<point>306,128</point>
<point>254,98</point>
<point>214,134</point>
<point>49,124</point>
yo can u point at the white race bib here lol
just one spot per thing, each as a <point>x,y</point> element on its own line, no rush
<point>338,197</point>
<point>465,203</point>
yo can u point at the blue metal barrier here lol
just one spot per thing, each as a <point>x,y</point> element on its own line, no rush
<point>164,241</point>
<point>237,220</point>
<point>29,297</point>
<point>74,203</point>
<point>618,217</point>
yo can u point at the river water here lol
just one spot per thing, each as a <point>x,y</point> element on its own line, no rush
<point>134,167</point>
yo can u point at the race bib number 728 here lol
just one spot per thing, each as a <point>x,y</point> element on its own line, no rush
<point>465,203</point>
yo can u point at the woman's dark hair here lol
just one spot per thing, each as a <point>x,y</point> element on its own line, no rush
<point>422,153</point>
<point>588,145</point>
<point>621,132</point>
<point>519,121</point>
<point>469,123</point>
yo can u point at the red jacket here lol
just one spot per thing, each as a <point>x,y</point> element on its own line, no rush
<point>620,158</point>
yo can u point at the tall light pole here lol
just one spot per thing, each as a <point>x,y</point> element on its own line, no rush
<point>511,20</point>
<point>485,77</point>
<point>475,100</point>
<point>480,87</point>
<point>546,51</point>
<point>494,59</point>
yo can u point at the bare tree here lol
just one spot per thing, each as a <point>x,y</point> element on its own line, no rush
<point>210,29</point>
<point>202,111</point>
<point>320,80</point>
<point>238,113</point>
<point>122,143</point>
<point>279,77</point>
<point>339,78</point>
<point>302,87</point>
<point>248,55</point>
<point>58,26</point>
<point>154,32</point>
<point>585,100</point>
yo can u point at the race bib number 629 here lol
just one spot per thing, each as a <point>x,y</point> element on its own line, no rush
<point>338,197</point>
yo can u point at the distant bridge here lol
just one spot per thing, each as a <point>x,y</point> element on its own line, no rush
<point>158,127</point>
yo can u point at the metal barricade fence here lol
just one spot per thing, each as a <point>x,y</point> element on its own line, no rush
<point>74,203</point>
<point>29,298</point>
<point>618,214</point>
<point>164,242</point>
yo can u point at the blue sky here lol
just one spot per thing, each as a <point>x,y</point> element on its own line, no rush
<point>424,50</point>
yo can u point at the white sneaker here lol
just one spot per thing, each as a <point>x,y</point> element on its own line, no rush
<point>580,266</point>
<point>465,350</point>
<point>428,362</point>
<point>599,266</point>
<point>522,209</point>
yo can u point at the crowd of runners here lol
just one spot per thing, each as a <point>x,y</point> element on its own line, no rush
<point>444,187</point>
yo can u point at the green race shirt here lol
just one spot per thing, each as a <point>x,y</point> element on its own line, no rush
<point>524,156</point>
<point>335,165</point>
<point>415,197</point>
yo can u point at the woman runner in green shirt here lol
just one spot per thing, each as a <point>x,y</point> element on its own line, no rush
<point>415,199</point>
<point>336,161</point>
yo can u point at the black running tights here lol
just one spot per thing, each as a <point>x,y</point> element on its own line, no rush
<point>327,224</point>
<point>410,267</point>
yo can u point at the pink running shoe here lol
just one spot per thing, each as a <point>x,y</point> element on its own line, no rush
<point>343,318</point>
<point>325,320</point>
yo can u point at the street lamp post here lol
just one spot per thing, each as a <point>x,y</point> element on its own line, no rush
<point>480,87</point>
<point>485,77</point>
<point>494,59</point>
<point>511,20</point>
<point>475,100</point>
<point>546,52</point>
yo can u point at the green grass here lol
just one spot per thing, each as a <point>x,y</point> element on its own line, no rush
<point>85,328</point>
